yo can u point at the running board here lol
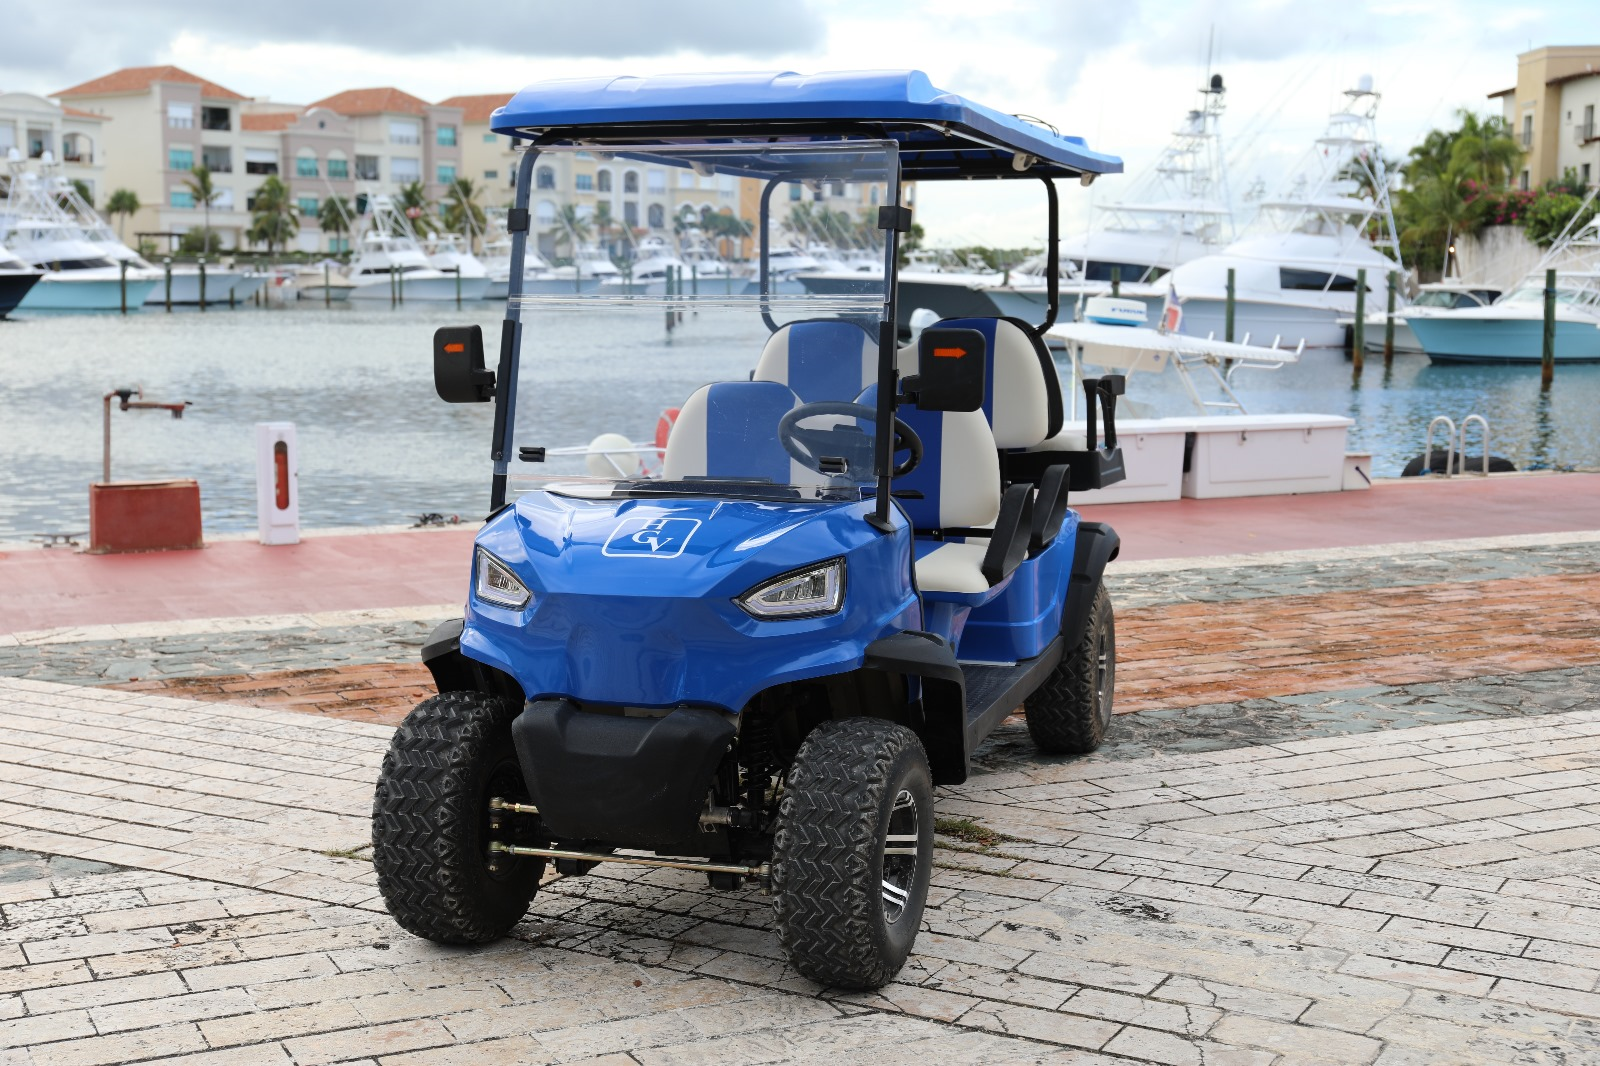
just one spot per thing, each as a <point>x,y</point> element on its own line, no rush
<point>993,692</point>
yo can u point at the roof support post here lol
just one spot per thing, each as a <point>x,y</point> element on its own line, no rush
<point>505,391</point>
<point>1052,260</point>
<point>888,349</point>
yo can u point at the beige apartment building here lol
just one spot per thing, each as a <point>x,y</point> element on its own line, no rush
<point>1551,111</point>
<point>73,139</point>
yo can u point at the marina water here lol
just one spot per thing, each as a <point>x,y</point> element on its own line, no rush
<point>377,447</point>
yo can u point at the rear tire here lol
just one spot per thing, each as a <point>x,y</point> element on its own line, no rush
<point>1070,712</point>
<point>849,899</point>
<point>430,822</point>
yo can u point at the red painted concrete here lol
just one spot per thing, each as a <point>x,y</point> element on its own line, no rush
<point>45,589</point>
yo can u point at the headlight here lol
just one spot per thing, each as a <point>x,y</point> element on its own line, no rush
<point>496,584</point>
<point>798,594</point>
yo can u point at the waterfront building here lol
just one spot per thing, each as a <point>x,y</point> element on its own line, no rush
<point>74,138</point>
<point>1551,112</point>
<point>399,139</point>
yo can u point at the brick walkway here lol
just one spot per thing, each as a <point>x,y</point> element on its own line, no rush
<point>1418,895</point>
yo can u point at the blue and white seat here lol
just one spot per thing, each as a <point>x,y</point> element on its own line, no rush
<point>820,359</point>
<point>1022,393</point>
<point>729,429</point>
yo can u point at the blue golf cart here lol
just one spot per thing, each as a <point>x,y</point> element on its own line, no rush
<point>755,654</point>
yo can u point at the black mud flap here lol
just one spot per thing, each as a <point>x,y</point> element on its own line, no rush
<point>630,782</point>
<point>1097,545</point>
<point>944,697</point>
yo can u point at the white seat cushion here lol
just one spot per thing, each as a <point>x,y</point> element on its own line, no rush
<point>953,567</point>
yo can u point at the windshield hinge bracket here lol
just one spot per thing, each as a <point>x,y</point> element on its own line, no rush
<point>517,220</point>
<point>895,218</point>
<point>530,454</point>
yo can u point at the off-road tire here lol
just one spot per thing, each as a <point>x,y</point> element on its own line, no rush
<point>828,861</point>
<point>1070,712</point>
<point>430,821</point>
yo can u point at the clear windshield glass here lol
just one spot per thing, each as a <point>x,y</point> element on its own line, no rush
<point>655,358</point>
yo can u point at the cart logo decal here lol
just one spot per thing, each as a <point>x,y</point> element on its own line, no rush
<point>650,538</point>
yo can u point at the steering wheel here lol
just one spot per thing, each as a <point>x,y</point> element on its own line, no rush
<point>809,446</point>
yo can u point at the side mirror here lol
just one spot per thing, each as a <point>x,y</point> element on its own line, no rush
<point>458,372</point>
<point>950,370</point>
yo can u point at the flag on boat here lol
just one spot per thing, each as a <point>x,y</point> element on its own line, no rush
<point>1171,310</point>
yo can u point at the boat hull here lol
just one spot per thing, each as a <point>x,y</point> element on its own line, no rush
<point>431,290</point>
<point>335,293</point>
<point>58,293</point>
<point>13,288</point>
<point>1506,340</point>
<point>186,287</point>
<point>545,287</point>
<point>1289,324</point>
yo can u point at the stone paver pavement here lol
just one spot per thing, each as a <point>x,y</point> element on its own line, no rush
<point>1412,895</point>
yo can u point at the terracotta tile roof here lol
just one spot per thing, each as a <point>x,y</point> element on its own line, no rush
<point>78,112</point>
<point>133,79</point>
<point>477,108</point>
<point>273,121</point>
<point>372,102</point>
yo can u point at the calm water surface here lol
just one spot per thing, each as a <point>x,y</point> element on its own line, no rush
<point>377,447</point>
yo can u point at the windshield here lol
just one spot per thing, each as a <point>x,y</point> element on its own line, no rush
<point>657,356</point>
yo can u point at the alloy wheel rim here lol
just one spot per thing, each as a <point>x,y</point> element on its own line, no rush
<point>900,844</point>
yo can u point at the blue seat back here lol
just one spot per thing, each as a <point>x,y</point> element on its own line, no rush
<point>821,359</point>
<point>729,429</point>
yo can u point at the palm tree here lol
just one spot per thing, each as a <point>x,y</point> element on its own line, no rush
<point>413,202</point>
<point>334,215</point>
<point>571,228</point>
<point>205,194</point>
<point>604,223</point>
<point>1485,150</point>
<point>462,212</point>
<point>123,202</point>
<point>273,222</point>
<point>1439,207</point>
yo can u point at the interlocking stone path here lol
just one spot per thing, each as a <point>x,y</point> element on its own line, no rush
<point>1418,895</point>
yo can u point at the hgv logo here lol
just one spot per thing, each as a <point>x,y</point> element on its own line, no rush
<point>651,538</point>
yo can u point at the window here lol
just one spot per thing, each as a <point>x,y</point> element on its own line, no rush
<point>445,136</point>
<point>38,143</point>
<point>217,160</point>
<point>181,198</point>
<point>1586,131</point>
<point>1586,175</point>
<point>180,116</point>
<point>1522,182</point>
<point>583,155</point>
<point>630,181</point>
<point>367,167</point>
<point>584,182</point>
<point>260,161</point>
<point>447,173</point>
<point>403,170</point>
<point>180,158</point>
<point>305,166</point>
<point>603,181</point>
<point>656,180</point>
<point>795,192</point>
<point>8,137</point>
<point>339,168</point>
<point>1315,280</point>
<point>708,181</point>
<point>874,196</point>
<point>544,178</point>
<point>75,148</point>
<point>224,200</point>
<point>488,138</point>
<point>546,213</point>
<point>630,213</point>
<point>1527,131</point>
<point>491,175</point>
<point>404,133</point>
<point>307,206</point>
<point>658,216</point>
<point>216,118</point>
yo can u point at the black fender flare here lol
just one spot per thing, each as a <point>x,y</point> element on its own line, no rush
<point>1096,545</point>
<point>454,672</point>
<point>943,724</point>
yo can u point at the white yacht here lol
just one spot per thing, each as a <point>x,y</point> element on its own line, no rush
<point>1176,211</point>
<point>653,257</point>
<point>449,252</point>
<point>1296,275</point>
<point>78,276</point>
<point>1434,298</point>
<point>220,280</point>
<point>16,280</point>
<point>390,263</point>
<point>590,268</point>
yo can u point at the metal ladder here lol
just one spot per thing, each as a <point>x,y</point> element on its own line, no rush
<point>1455,446</point>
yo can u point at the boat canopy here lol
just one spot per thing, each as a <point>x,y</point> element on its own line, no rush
<point>940,134</point>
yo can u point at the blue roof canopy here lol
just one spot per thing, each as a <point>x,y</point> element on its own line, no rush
<point>941,135</point>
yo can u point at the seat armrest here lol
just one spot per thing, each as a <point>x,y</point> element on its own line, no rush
<point>1049,508</point>
<point>1012,530</point>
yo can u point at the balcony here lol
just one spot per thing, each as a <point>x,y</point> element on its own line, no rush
<point>218,162</point>
<point>1586,132</point>
<point>215,118</point>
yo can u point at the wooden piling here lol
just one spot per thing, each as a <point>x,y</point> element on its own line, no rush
<point>1547,357</point>
<point>1227,309</point>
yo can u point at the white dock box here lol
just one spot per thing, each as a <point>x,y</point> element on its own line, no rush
<point>1152,454</point>
<point>1265,455</point>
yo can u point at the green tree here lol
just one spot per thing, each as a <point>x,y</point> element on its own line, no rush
<point>414,204</point>
<point>604,224</point>
<point>572,229</point>
<point>1484,150</point>
<point>204,192</point>
<point>1437,210</point>
<point>463,213</point>
<point>200,242</point>
<point>1552,215</point>
<point>273,221</point>
<point>335,214</point>
<point>120,204</point>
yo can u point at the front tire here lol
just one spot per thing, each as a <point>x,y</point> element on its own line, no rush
<point>430,821</point>
<point>853,852</point>
<point>1070,712</point>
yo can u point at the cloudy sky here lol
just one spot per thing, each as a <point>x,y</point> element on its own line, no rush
<point>1118,72</point>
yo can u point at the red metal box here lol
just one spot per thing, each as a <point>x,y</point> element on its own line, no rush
<point>144,516</point>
